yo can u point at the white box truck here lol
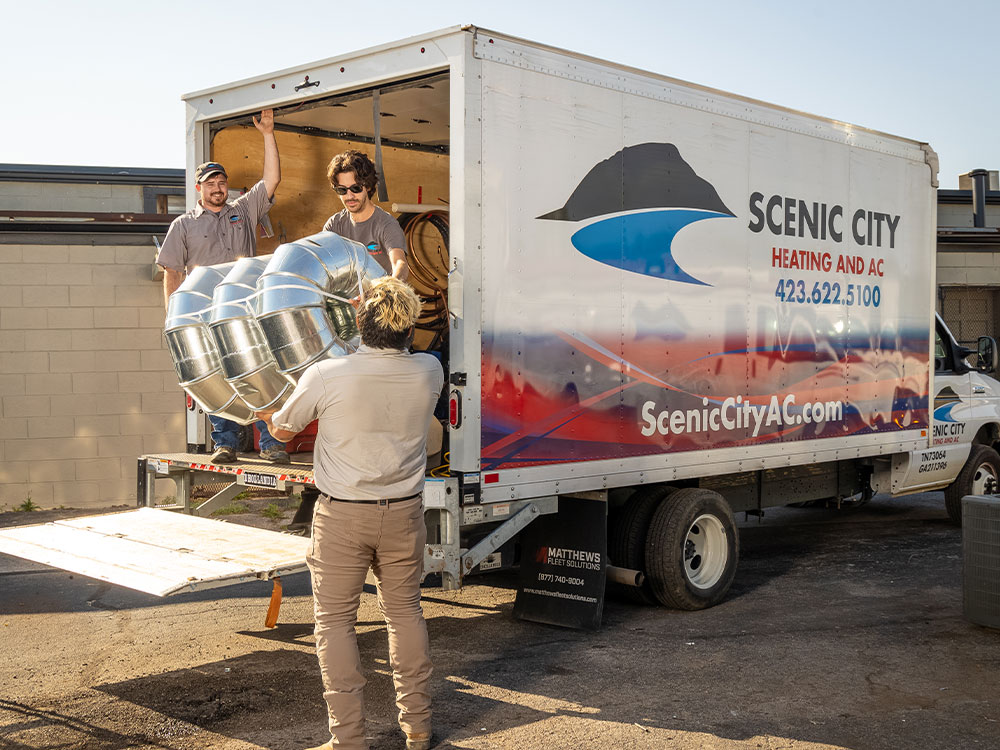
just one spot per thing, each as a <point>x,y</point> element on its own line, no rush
<point>680,302</point>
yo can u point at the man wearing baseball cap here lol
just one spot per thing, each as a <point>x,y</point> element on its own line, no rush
<point>218,230</point>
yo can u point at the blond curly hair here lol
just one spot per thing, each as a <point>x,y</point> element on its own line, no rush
<point>387,314</point>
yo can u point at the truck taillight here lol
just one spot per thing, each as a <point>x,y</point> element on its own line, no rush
<point>190,402</point>
<point>455,409</point>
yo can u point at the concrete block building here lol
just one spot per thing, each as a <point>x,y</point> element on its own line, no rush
<point>968,257</point>
<point>86,383</point>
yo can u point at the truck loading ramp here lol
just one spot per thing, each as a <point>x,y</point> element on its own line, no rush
<point>157,551</point>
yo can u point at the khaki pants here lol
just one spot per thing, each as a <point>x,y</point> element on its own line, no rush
<point>348,538</point>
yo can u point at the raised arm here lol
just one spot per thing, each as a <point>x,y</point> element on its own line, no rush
<point>272,164</point>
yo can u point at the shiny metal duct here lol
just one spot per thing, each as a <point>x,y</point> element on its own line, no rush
<point>192,347</point>
<point>247,362</point>
<point>301,322</point>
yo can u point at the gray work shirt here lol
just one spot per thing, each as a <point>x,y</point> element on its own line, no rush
<point>380,233</point>
<point>374,408</point>
<point>203,238</point>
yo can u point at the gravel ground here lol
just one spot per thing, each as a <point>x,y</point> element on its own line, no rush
<point>843,629</point>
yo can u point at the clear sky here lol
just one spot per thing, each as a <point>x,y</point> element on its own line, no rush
<point>99,82</point>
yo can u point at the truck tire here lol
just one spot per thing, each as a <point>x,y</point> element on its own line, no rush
<point>692,549</point>
<point>980,470</point>
<point>627,537</point>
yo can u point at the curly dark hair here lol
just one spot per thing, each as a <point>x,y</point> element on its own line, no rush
<point>357,162</point>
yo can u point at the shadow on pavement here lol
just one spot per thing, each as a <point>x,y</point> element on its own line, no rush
<point>41,589</point>
<point>821,653</point>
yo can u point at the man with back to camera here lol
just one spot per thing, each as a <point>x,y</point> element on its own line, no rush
<point>374,408</point>
<point>352,176</point>
<point>218,231</point>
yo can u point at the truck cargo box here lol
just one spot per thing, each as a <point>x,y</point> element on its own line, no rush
<point>648,280</point>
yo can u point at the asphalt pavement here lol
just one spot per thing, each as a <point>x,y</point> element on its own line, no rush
<point>843,629</point>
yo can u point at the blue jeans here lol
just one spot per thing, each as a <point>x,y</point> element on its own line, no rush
<point>226,434</point>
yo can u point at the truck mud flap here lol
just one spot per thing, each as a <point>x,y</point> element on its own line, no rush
<point>563,566</point>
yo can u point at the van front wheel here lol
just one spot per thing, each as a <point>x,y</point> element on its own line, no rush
<point>979,476</point>
<point>692,549</point>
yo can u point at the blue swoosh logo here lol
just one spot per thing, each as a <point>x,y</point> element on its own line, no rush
<point>943,413</point>
<point>641,242</point>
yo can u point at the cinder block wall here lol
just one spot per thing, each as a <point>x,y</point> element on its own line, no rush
<point>86,383</point>
<point>968,269</point>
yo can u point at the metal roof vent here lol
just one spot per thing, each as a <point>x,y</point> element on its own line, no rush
<point>979,179</point>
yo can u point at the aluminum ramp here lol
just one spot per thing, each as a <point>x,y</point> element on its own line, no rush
<point>157,551</point>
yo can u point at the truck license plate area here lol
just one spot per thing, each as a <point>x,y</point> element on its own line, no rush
<point>257,479</point>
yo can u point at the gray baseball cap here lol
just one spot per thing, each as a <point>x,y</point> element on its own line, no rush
<point>206,170</point>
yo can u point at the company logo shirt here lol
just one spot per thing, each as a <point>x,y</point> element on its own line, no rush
<point>380,234</point>
<point>203,238</point>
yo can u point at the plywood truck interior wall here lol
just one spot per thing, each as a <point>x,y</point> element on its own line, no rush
<point>413,125</point>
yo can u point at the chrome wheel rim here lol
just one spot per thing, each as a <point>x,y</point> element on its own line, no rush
<point>985,475</point>
<point>706,552</point>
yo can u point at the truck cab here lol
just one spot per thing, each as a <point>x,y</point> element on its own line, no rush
<point>965,425</point>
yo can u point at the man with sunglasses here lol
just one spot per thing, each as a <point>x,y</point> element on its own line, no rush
<point>352,176</point>
<point>218,230</point>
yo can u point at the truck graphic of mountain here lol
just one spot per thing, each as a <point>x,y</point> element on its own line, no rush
<point>644,195</point>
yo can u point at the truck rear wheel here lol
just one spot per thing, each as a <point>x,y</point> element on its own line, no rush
<point>980,475</point>
<point>627,537</point>
<point>692,549</point>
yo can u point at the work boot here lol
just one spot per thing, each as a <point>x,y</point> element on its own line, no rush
<point>275,456</point>
<point>224,455</point>
<point>418,741</point>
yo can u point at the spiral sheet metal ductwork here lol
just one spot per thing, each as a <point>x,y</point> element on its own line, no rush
<point>247,362</point>
<point>301,324</point>
<point>193,349</point>
<point>241,333</point>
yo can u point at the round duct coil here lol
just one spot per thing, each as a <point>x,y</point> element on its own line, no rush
<point>300,321</point>
<point>247,362</point>
<point>192,347</point>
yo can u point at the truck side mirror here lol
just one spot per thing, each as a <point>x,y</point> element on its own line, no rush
<point>987,351</point>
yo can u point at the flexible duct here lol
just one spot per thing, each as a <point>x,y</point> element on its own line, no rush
<point>301,321</point>
<point>192,346</point>
<point>247,362</point>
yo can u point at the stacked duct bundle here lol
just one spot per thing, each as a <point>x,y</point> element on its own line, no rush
<point>247,363</point>
<point>193,348</point>
<point>241,333</point>
<point>300,320</point>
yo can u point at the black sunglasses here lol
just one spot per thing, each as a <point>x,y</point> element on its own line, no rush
<point>341,190</point>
